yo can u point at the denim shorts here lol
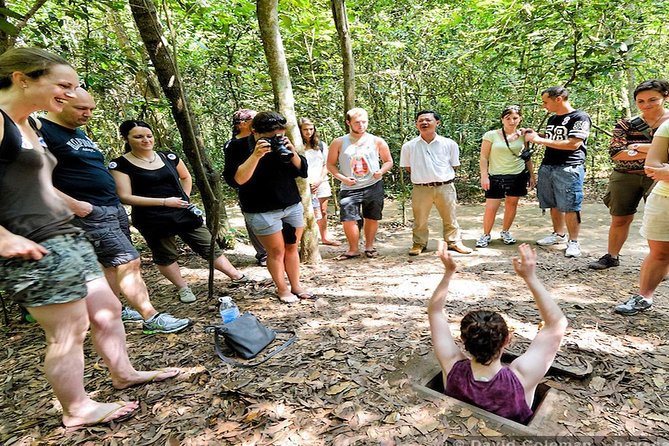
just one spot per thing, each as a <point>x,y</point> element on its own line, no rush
<point>561,187</point>
<point>58,277</point>
<point>108,231</point>
<point>270,222</point>
<point>362,203</point>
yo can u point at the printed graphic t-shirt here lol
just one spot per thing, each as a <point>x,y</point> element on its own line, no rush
<point>575,124</point>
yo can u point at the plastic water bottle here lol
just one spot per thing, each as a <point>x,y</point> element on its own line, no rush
<point>228,309</point>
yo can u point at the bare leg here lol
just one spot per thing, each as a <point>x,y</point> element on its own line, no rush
<point>654,268</point>
<point>65,326</point>
<point>173,273</point>
<point>510,209</point>
<point>223,265</point>
<point>573,225</point>
<point>491,208</point>
<point>276,251</point>
<point>618,233</point>
<point>129,281</point>
<point>104,313</point>
<point>352,233</point>
<point>291,262</point>
<point>558,218</point>
<point>370,228</point>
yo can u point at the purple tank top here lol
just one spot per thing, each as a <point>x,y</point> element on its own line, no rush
<point>503,395</point>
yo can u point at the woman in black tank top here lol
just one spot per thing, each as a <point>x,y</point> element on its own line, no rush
<point>46,265</point>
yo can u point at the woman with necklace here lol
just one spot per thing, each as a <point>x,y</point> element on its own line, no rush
<point>157,185</point>
<point>504,175</point>
<point>628,149</point>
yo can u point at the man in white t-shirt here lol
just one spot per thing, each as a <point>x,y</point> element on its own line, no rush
<point>431,159</point>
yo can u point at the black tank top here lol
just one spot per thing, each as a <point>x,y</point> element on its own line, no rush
<point>30,206</point>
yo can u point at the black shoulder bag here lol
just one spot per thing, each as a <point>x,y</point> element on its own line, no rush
<point>641,126</point>
<point>247,337</point>
<point>183,219</point>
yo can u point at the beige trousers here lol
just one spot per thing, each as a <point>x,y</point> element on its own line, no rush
<point>444,198</point>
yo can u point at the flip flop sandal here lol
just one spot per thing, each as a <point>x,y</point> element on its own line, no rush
<point>305,295</point>
<point>289,299</point>
<point>104,419</point>
<point>371,253</point>
<point>345,256</point>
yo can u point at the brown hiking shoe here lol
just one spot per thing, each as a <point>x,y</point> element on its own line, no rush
<point>416,249</point>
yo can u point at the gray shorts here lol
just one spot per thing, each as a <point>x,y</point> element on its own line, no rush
<point>267,223</point>
<point>108,230</point>
<point>58,277</point>
<point>362,203</point>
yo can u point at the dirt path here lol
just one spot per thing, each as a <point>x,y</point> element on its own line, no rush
<point>331,387</point>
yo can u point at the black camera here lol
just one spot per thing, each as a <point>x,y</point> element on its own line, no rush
<point>278,147</point>
<point>195,210</point>
<point>525,154</point>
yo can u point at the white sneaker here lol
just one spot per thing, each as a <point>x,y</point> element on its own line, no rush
<point>507,238</point>
<point>573,249</point>
<point>552,239</point>
<point>186,295</point>
<point>483,241</point>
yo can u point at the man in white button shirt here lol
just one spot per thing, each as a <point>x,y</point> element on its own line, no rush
<point>431,159</point>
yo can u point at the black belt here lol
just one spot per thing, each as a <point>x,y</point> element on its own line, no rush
<point>435,184</point>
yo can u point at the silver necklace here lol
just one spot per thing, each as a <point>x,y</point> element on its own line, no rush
<point>155,155</point>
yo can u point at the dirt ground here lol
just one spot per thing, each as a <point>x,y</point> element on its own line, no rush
<point>331,387</point>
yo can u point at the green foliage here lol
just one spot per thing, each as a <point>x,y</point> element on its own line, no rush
<point>466,59</point>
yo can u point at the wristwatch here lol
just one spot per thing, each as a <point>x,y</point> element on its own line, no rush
<point>633,151</point>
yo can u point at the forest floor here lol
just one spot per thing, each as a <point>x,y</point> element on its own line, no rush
<point>333,387</point>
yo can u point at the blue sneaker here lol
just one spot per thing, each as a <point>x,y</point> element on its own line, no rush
<point>130,315</point>
<point>165,323</point>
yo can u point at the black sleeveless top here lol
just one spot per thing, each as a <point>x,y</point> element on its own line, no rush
<point>30,206</point>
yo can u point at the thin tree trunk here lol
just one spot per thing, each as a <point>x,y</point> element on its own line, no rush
<point>268,23</point>
<point>206,178</point>
<point>341,22</point>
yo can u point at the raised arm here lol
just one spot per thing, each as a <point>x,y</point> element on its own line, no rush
<point>445,349</point>
<point>531,366</point>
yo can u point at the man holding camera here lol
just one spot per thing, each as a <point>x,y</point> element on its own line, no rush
<point>431,160</point>
<point>562,171</point>
<point>88,188</point>
<point>355,160</point>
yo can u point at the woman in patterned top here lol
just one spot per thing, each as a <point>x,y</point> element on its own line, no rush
<point>628,148</point>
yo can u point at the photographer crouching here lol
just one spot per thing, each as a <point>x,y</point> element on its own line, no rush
<point>263,166</point>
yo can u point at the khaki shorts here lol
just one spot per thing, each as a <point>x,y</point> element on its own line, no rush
<point>58,277</point>
<point>625,191</point>
<point>655,225</point>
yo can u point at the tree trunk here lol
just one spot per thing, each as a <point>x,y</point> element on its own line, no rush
<point>341,22</point>
<point>268,23</point>
<point>206,178</point>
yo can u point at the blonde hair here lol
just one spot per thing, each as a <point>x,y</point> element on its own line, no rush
<point>33,62</point>
<point>355,112</point>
